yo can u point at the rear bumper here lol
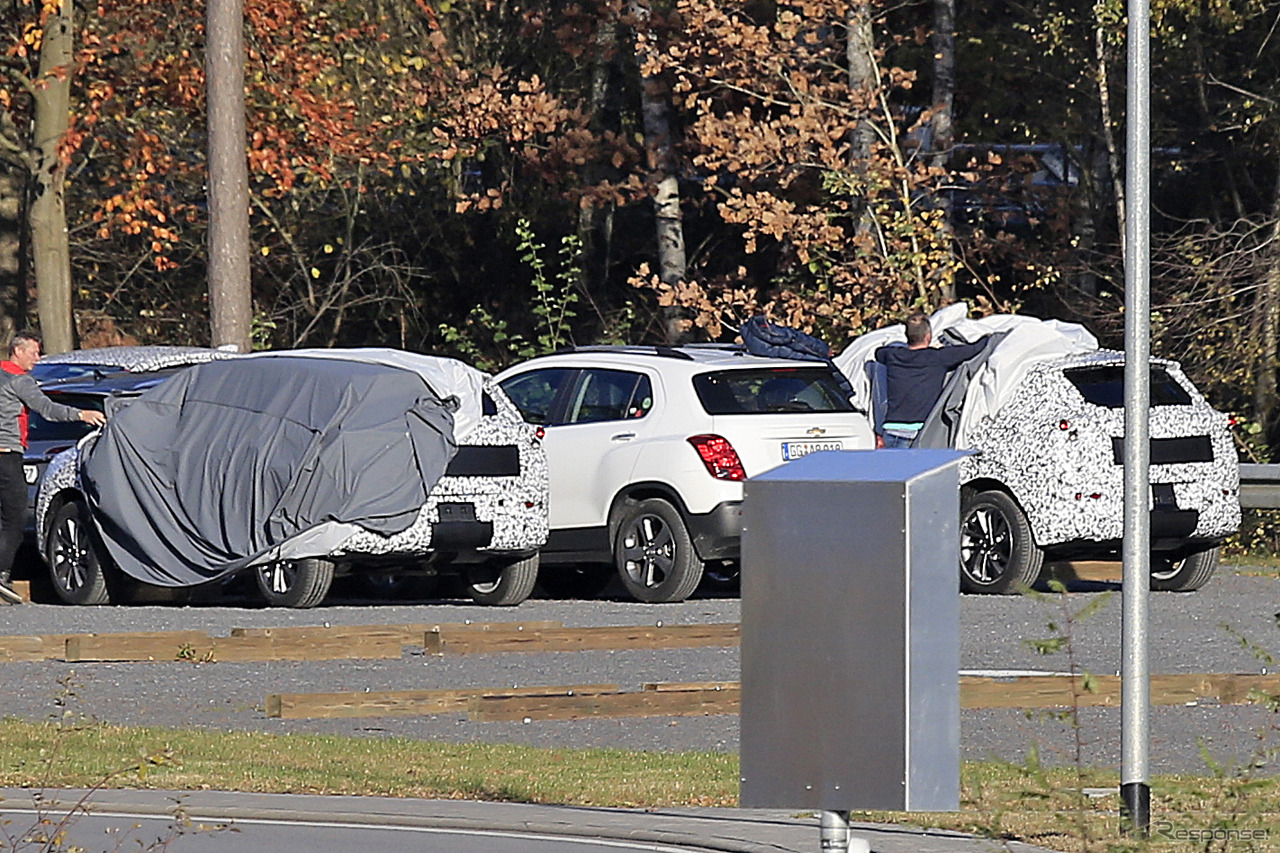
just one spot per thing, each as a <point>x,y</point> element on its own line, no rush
<point>717,535</point>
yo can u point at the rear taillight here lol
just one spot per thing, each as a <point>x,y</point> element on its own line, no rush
<point>719,456</point>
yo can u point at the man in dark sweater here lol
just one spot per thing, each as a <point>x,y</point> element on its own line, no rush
<point>914,376</point>
<point>18,392</point>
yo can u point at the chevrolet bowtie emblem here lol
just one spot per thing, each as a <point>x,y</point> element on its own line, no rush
<point>815,432</point>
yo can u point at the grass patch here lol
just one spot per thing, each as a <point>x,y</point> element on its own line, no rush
<point>43,754</point>
<point>1078,809</point>
<point>1043,806</point>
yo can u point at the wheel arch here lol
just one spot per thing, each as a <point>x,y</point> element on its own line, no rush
<point>636,492</point>
<point>990,484</point>
<point>59,499</point>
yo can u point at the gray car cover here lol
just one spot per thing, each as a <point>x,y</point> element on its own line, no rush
<point>229,460</point>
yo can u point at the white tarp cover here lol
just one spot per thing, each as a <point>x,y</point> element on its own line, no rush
<point>448,377</point>
<point>1027,341</point>
<point>279,453</point>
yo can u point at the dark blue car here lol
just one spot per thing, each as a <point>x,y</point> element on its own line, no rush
<point>46,439</point>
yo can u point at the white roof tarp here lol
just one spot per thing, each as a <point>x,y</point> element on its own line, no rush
<point>1026,342</point>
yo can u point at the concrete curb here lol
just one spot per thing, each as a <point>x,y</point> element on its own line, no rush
<point>724,830</point>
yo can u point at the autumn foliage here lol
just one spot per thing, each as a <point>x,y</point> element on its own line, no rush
<point>394,146</point>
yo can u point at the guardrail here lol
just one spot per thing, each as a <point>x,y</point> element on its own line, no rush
<point>1259,486</point>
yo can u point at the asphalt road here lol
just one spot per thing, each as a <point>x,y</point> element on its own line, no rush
<point>1207,631</point>
<point>106,829</point>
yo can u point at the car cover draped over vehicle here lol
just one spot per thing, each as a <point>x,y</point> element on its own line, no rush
<point>981,386</point>
<point>238,462</point>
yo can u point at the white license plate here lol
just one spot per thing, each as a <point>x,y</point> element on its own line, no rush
<point>30,473</point>
<point>796,449</point>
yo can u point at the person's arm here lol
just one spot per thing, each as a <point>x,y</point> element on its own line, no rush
<point>26,390</point>
<point>960,353</point>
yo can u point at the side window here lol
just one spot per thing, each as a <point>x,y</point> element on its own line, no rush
<point>609,395</point>
<point>534,393</point>
<point>641,399</point>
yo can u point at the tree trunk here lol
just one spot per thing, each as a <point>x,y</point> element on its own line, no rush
<point>860,56</point>
<point>588,213</point>
<point>944,78</point>
<point>1104,103</point>
<point>944,96</point>
<point>230,295</point>
<point>1265,396</point>
<point>50,247</point>
<point>655,103</point>
<point>13,209</point>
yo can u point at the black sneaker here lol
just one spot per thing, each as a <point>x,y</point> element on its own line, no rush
<point>8,596</point>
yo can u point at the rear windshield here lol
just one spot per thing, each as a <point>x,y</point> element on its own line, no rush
<point>1104,386</point>
<point>770,390</point>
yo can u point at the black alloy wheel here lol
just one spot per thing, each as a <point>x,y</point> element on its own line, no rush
<point>997,551</point>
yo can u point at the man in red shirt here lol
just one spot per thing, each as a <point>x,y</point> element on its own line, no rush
<point>18,392</point>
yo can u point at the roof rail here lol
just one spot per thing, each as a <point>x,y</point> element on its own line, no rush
<point>714,345</point>
<point>645,349</point>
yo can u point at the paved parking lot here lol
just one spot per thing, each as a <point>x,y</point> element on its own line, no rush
<point>1188,634</point>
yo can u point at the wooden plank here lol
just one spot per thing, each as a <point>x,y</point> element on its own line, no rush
<point>412,633</point>
<point>371,646</point>
<point>585,639</point>
<point>199,647</point>
<point>713,698</point>
<point>135,646</point>
<point>19,648</point>
<point>407,702</point>
<point>644,703</point>
<point>1056,691</point>
<point>22,588</point>
<point>686,686</point>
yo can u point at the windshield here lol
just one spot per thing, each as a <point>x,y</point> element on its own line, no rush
<point>1104,386</point>
<point>770,390</point>
<point>53,371</point>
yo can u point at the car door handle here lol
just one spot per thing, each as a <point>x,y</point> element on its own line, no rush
<point>622,436</point>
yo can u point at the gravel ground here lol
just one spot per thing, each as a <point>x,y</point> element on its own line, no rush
<point>1187,636</point>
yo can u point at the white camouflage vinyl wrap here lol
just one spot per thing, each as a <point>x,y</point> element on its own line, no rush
<point>61,474</point>
<point>516,506</point>
<point>1053,451</point>
<point>140,359</point>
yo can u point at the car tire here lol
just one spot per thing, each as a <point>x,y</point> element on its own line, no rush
<point>997,551</point>
<point>1185,574</point>
<point>502,583</point>
<point>580,580</point>
<point>294,583</point>
<point>77,565</point>
<point>654,554</point>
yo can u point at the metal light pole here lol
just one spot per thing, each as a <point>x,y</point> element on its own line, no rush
<point>1135,792</point>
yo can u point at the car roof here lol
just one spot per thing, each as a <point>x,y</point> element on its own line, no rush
<point>138,358</point>
<point>1098,358</point>
<point>687,358</point>
<point>107,384</point>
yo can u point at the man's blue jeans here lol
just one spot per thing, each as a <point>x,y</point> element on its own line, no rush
<point>896,441</point>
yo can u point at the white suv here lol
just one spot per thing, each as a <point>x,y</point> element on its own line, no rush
<point>647,448</point>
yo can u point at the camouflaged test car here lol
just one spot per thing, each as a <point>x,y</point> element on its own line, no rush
<point>296,466</point>
<point>1042,409</point>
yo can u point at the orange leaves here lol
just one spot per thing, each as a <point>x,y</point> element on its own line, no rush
<point>773,121</point>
